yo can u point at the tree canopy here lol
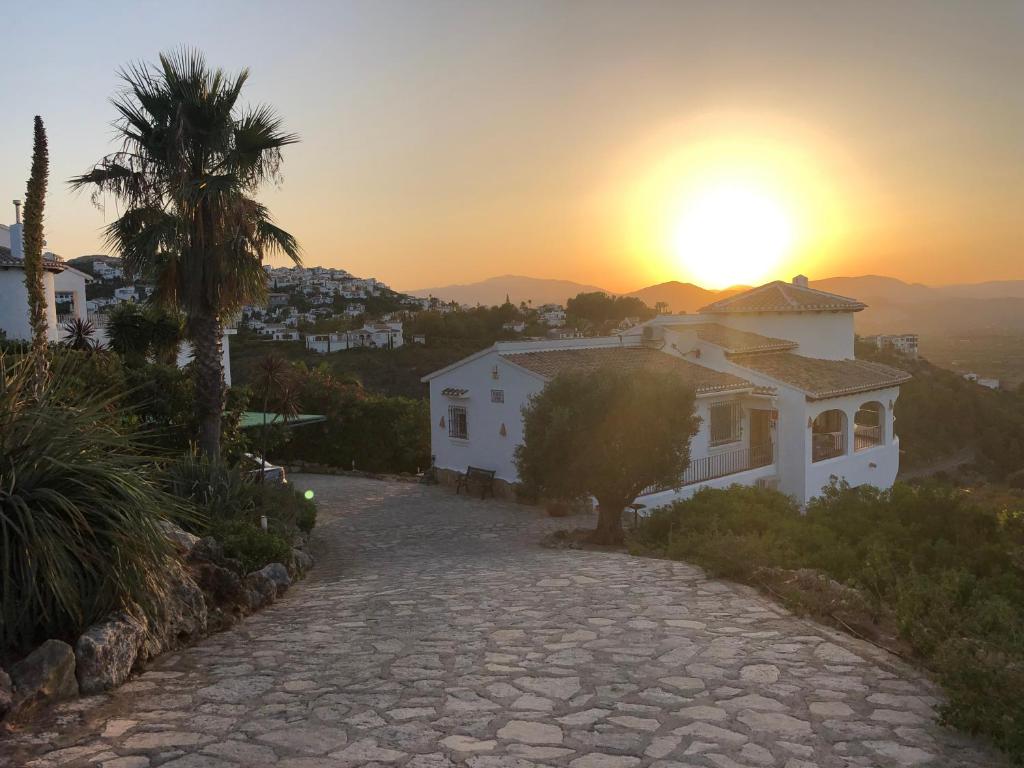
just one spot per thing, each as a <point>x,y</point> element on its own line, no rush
<point>607,434</point>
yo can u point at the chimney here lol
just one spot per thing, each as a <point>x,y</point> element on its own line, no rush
<point>17,211</point>
<point>800,281</point>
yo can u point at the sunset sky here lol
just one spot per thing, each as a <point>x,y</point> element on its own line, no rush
<point>619,143</point>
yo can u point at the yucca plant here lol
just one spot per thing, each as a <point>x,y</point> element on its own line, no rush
<point>80,511</point>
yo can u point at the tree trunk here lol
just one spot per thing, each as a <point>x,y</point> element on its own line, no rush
<point>206,332</point>
<point>609,522</point>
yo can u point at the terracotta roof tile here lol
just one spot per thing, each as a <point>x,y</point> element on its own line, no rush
<point>821,379</point>
<point>735,341</point>
<point>7,260</point>
<point>550,362</point>
<point>784,297</point>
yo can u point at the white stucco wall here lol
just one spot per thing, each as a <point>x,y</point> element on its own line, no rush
<point>14,318</point>
<point>73,281</point>
<point>485,446</point>
<point>828,335</point>
<point>875,466</point>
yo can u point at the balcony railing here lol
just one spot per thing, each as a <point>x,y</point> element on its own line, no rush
<point>721,465</point>
<point>827,445</point>
<point>866,437</point>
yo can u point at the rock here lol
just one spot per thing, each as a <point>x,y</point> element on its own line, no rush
<point>6,693</point>
<point>45,676</point>
<point>221,584</point>
<point>529,732</point>
<point>179,617</point>
<point>207,550</point>
<point>260,590</point>
<point>182,540</point>
<point>106,652</point>
<point>302,561</point>
<point>278,576</point>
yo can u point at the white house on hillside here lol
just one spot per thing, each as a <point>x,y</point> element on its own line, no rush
<point>782,401</point>
<point>14,320</point>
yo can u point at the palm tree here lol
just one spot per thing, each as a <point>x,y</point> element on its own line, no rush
<point>274,380</point>
<point>190,163</point>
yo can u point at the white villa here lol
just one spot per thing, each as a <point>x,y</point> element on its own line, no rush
<point>782,401</point>
<point>375,335</point>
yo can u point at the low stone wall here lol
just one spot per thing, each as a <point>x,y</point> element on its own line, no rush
<point>202,592</point>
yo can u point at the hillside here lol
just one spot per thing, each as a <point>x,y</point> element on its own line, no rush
<point>680,297</point>
<point>517,287</point>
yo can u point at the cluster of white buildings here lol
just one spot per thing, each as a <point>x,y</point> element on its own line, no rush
<point>783,402</point>
<point>902,343</point>
<point>383,335</point>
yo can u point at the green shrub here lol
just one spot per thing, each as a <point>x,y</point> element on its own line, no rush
<point>250,544</point>
<point>233,505</point>
<point>79,510</point>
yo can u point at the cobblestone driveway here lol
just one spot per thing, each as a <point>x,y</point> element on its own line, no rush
<point>435,632</point>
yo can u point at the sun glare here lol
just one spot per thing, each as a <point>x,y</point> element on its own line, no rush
<point>731,232</point>
<point>712,203</point>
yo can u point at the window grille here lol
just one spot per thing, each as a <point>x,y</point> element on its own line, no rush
<point>726,423</point>
<point>497,395</point>
<point>458,425</point>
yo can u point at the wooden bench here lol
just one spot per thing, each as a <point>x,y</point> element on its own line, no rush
<point>483,477</point>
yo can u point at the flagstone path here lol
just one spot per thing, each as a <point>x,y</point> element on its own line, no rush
<point>435,632</point>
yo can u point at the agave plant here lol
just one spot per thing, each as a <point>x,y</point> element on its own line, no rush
<point>81,335</point>
<point>80,510</point>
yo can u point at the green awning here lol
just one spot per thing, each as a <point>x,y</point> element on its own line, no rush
<point>259,418</point>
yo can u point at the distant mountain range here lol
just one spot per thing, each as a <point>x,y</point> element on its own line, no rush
<point>516,287</point>
<point>894,306</point>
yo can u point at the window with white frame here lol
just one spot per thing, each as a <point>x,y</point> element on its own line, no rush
<point>725,423</point>
<point>458,425</point>
<point>497,395</point>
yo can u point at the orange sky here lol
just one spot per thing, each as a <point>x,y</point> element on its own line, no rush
<point>449,140</point>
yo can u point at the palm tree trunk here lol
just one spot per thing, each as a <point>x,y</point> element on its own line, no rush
<point>206,345</point>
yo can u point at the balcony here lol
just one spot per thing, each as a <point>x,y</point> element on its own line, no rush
<point>721,465</point>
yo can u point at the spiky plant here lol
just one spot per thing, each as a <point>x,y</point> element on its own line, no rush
<point>80,510</point>
<point>32,244</point>
<point>80,335</point>
<point>190,163</point>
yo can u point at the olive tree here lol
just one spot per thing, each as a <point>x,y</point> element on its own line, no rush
<point>608,434</point>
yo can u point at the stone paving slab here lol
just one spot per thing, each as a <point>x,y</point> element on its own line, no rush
<point>434,632</point>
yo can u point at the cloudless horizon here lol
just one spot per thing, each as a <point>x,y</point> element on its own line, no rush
<point>616,144</point>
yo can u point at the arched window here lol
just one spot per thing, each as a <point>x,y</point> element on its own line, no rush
<point>869,426</point>
<point>828,435</point>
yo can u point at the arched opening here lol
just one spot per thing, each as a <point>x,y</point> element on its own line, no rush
<point>828,435</point>
<point>869,426</point>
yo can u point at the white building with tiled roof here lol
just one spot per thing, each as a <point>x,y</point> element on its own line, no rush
<point>782,400</point>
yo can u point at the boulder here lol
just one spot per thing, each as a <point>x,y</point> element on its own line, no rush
<point>301,562</point>
<point>277,574</point>
<point>179,616</point>
<point>6,693</point>
<point>207,550</point>
<point>45,676</point>
<point>182,540</point>
<point>222,586</point>
<point>106,652</point>
<point>260,590</point>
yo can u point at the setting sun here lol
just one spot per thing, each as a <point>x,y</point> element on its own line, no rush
<point>731,232</point>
